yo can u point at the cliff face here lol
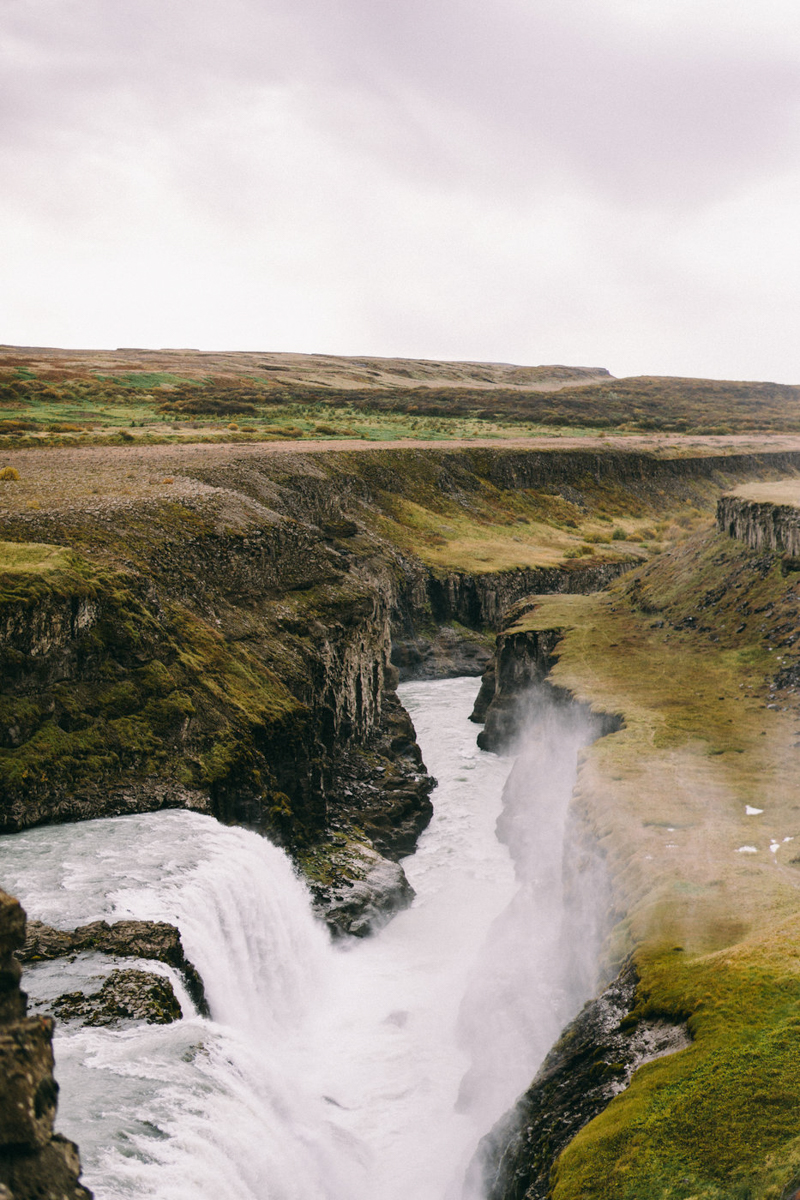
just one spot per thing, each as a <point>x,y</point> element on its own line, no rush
<point>35,1162</point>
<point>761,524</point>
<point>591,1063</point>
<point>233,653</point>
<point>229,638</point>
<point>509,687</point>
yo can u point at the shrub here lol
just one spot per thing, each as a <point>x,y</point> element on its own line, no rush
<point>9,473</point>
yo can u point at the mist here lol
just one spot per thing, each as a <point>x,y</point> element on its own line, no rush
<point>331,1071</point>
<point>538,965</point>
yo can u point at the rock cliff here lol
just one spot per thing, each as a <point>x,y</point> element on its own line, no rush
<point>768,522</point>
<point>593,1061</point>
<point>35,1162</point>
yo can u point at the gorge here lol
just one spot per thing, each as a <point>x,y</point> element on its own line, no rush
<point>223,629</point>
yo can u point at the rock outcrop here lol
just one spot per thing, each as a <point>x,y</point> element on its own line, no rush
<point>35,1162</point>
<point>354,889</point>
<point>127,995</point>
<point>124,939</point>
<point>761,524</point>
<point>592,1062</point>
<point>510,690</point>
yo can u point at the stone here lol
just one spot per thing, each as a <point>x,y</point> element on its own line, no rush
<point>35,1163</point>
<point>29,1092</point>
<point>127,995</point>
<point>127,939</point>
<point>592,1062</point>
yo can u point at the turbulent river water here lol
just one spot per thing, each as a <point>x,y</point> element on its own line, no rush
<point>364,1070</point>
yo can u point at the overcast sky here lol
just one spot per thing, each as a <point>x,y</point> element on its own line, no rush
<point>594,182</point>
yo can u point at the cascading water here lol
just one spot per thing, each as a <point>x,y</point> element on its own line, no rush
<point>329,1071</point>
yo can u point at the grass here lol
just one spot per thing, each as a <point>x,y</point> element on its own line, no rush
<point>665,798</point>
<point>163,407</point>
<point>58,404</point>
<point>158,695</point>
<point>721,1118</point>
<point>458,518</point>
<point>23,558</point>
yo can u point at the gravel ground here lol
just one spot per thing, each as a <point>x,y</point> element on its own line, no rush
<point>60,478</point>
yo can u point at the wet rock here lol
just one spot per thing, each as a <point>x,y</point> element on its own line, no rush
<point>509,701</point>
<point>126,939</point>
<point>592,1062</point>
<point>354,889</point>
<point>445,655</point>
<point>35,1162</point>
<point>127,995</point>
<point>486,692</point>
<point>385,794</point>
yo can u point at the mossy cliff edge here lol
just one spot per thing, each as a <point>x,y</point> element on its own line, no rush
<point>693,806</point>
<point>221,627</point>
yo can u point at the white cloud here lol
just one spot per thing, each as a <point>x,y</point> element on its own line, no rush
<point>604,183</point>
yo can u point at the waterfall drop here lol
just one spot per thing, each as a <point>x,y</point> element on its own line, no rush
<point>361,1070</point>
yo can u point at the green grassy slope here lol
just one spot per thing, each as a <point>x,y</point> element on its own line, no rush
<point>698,650</point>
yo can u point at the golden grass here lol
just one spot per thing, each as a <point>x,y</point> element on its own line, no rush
<point>665,798</point>
<point>18,558</point>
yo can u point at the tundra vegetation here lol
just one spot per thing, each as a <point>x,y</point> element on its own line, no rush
<point>89,397</point>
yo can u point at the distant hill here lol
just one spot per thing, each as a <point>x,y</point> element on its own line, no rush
<point>189,383</point>
<point>303,370</point>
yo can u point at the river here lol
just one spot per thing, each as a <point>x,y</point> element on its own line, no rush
<point>357,1070</point>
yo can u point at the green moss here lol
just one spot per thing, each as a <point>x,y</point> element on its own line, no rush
<point>32,570</point>
<point>666,797</point>
<point>193,711</point>
<point>720,1115</point>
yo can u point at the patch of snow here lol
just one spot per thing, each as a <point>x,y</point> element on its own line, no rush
<point>752,812</point>
<point>747,850</point>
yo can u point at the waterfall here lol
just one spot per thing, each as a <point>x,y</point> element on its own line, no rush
<point>366,1070</point>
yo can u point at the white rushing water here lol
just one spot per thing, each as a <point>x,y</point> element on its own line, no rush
<point>329,1071</point>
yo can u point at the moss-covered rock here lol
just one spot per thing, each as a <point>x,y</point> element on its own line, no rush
<point>127,995</point>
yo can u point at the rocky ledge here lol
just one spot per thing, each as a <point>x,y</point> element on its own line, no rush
<point>511,687</point>
<point>764,517</point>
<point>124,939</point>
<point>590,1064</point>
<point>354,890</point>
<point>128,995</point>
<point>35,1162</point>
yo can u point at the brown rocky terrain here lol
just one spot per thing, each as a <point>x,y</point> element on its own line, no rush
<point>35,1162</point>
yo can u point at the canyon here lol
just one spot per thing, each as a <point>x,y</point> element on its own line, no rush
<point>223,629</point>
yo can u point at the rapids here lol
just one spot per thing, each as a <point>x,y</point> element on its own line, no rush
<point>363,1070</point>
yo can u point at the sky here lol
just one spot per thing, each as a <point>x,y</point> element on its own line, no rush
<point>610,183</point>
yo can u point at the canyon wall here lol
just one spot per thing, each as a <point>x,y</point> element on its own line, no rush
<point>35,1162</point>
<point>761,524</point>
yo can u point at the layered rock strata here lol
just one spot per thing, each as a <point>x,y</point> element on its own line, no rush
<point>35,1162</point>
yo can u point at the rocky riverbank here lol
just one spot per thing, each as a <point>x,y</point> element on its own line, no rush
<point>154,940</point>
